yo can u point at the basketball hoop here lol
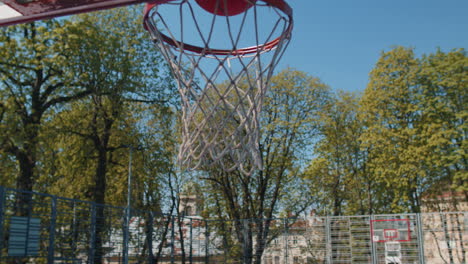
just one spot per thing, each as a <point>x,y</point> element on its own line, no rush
<point>390,230</point>
<point>223,54</point>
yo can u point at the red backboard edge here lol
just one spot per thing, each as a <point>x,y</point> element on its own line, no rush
<point>107,4</point>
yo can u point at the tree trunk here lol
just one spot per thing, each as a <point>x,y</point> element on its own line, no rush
<point>25,182</point>
<point>99,198</point>
<point>27,163</point>
<point>263,229</point>
<point>246,239</point>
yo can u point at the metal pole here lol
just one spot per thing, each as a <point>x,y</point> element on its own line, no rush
<point>373,243</point>
<point>286,241</point>
<point>245,234</point>
<point>172,239</point>
<point>191,240</point>
<point>149,237</point>
<point>53,219</point>
<point>74,228</point>
<point>92,241</point>
<point>125,237</point>
<point>126,234</point>
<point>328,240</point>
<point>420,238</point>
<point>207,241</point>
<point>2,214</point>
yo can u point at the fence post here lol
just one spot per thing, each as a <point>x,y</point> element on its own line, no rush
<point>328,240</point>
<point>420,238</point>
<point>92,241</point>
<point>207,242</point>
<point>191,240</point>
<point>149,237</point>
<point>53,220</point>
<point>74,229</point>
<point>373,245</point>
<point>2,216</point>
<point>245,234</point>
<point>172,239</point>
<point>286,240</point>
<point>126,232</point>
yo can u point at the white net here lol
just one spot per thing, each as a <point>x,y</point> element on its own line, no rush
<point>392,246</point>
<point>222,89</point>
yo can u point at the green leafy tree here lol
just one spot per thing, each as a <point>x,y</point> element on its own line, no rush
<point>77,160</point>
<point>414,112</point>
<point>7,162</point>
<point>390,114</point>
<point>443,108</point>
<point>95,135</point>
<point>125,73</point>
<point>36,78</point>
<point>403,143</point>
<point>337,175</point>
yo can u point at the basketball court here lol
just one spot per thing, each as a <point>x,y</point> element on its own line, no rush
<point>222,54</point>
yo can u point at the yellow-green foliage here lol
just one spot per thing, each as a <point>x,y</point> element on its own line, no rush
<point>75,89</point>
<point>404,142</point>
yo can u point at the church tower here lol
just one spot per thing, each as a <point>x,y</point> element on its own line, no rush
<point>190,205</point>
<point>191,200</point>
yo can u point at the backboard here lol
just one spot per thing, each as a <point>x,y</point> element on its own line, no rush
<point>22,11</point>
<point>386,230</point>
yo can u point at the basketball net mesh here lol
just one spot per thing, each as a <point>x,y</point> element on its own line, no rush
<point>221,90</point>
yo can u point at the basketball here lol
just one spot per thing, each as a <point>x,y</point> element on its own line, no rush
<point>225,7</point>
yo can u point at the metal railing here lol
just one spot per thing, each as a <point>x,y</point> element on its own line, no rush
<point>42,228</point>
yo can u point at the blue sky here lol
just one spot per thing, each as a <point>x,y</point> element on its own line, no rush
<point>340,41</point>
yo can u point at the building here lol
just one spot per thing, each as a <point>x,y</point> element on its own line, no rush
<point>445,219</point>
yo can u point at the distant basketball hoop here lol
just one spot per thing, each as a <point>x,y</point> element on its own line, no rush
<point>390,230</point>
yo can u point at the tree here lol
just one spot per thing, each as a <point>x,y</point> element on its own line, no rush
<point>337,175</point>
<point>96,133</point>
<point>401,144</point>
<point>414,114</point>
<point>115,65</point>
<point>7,163</point>
<point>288,126</point>
<point>444,112</point>
<point>36,77</point>
<point>391,117</point>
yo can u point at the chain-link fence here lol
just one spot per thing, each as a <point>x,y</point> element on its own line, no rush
<point>41,228</point>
